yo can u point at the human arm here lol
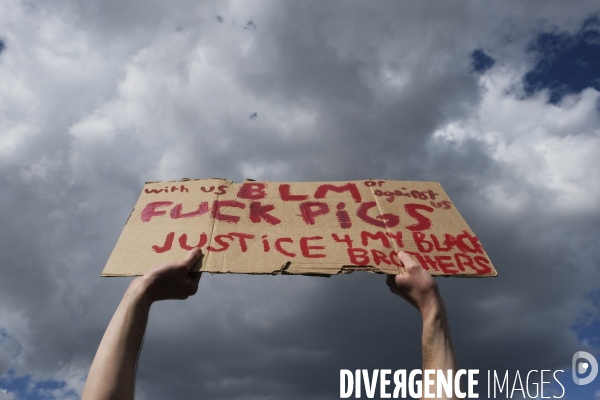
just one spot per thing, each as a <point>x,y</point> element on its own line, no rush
<point>112,374</point>
<point>419,288</point>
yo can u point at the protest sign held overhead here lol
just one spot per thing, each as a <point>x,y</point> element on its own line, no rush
<point>310,228</point>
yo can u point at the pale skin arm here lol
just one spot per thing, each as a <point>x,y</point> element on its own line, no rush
<point>419,288</point>
<point>112,374</point>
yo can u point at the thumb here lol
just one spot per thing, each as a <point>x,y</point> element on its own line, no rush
<point>192,257</point>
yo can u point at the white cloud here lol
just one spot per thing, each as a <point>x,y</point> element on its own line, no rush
<point>5,395</point>
<point>547,150</point>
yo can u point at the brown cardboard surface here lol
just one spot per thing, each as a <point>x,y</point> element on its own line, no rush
<point>310,228</point>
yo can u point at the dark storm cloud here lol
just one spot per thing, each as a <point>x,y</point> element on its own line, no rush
<point>111,95</point>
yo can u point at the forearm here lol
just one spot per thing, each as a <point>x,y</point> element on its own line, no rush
<point>437,348</point>
<point>112,374</point>
<point>416,286</point>
<point>438,351</point>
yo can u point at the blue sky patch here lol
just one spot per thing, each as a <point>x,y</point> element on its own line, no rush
<point>27,389</point>
<point>587,327</point>
<point>565,63</point>
<point>481,62</point>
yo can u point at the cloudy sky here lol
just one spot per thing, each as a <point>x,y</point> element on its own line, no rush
<point>499,102</point>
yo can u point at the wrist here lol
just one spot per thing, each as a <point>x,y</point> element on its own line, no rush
<point>140,291</point>
<point>433,307</point>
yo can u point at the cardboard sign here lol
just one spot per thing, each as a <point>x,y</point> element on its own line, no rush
<point>310,228</point>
